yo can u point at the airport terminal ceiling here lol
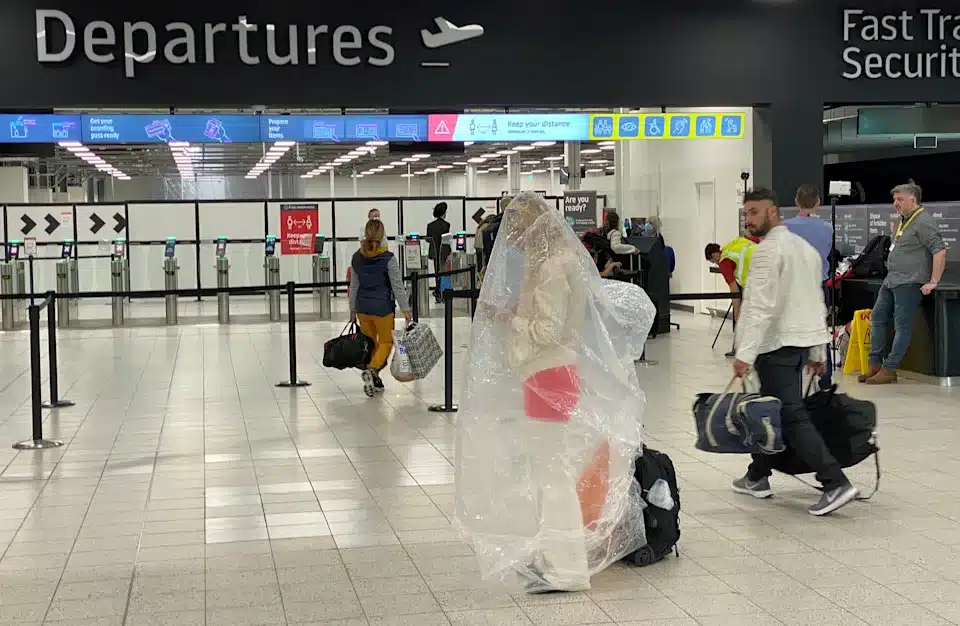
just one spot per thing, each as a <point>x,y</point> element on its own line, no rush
<point>791,55</point>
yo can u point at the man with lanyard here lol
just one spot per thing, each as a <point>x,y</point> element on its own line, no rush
<point>915,265</point>
<point>819,234</point>
<point>733,261</point>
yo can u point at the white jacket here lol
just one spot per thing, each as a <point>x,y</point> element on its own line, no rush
<point>783,303</point>
<point>548,325</point>
<point>615,237</point>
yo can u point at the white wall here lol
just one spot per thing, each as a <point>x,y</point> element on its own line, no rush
<point>663,180</point>
<point>14,184</point>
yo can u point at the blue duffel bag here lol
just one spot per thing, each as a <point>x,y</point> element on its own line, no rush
<point>738,423</point>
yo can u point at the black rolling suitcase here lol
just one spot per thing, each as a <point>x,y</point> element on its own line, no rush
<point>662,526</point>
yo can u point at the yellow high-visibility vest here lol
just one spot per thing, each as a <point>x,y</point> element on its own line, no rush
<point>739,251</point>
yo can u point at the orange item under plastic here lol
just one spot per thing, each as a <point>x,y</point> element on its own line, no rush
<point>594,486</point>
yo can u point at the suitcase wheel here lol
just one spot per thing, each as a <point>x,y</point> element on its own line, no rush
<point>644,556</point>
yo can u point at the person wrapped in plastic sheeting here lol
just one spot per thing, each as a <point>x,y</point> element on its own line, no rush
<point>551,417</point>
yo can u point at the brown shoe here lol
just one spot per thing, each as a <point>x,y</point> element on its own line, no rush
<point>883,377</point>
<point>872,371</point>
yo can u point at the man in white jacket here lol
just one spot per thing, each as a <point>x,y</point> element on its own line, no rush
<point>781,329</point>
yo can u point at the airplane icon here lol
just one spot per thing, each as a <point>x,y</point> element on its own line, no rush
<point>449,33</point>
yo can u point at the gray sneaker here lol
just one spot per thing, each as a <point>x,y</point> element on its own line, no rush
<point>369,382</point>
<point>834,499</point>
<point>759,489</point>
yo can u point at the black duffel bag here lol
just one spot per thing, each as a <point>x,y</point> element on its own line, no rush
<point>352,349</point>
<point>848,427</point>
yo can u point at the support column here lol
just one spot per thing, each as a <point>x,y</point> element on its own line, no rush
<point>471,181</point>
<point>621,175</point>
<point>355,179</point>
<point>409,180</point>
<point>333,183</point>
<point>513,173</point>
<point>571,153</point>
<point>797,147</point>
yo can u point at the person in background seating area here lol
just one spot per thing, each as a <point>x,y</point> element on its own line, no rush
<point>915,266</point>
<point>783,328</point>
<point>611,230</point>
<point>376,287</point>
<point>733,261</point>
<point>373,214</point>
<point>818,234</point>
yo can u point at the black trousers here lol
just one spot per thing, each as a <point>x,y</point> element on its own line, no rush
<point>781,376</point>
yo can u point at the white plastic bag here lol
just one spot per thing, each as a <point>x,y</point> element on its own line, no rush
<point>400,367</point>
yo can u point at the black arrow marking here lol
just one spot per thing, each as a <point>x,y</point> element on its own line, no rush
<point>28,224</point>
<point>97,223</point>
<point>52,224</point>
<point>121,223</point>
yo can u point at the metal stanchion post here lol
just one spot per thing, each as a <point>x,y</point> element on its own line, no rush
<point>37,442</point>
<point>55,401</point>
<point>448,406</point>
<point>292,332</point>
<point>30,264</point>
<point>415,295</point>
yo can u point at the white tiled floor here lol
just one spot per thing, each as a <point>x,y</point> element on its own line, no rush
<point>192,491</point>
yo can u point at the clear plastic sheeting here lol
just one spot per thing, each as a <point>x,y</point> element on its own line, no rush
<point>551,415</point>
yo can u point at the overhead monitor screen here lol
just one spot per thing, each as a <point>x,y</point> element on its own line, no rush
<point>39,128</point>
<point>171,128</point>
<point>337,128</point>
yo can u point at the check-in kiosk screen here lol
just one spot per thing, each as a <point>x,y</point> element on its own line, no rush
<point>221,248</point>
<point>461,241</point>
<point>170,250</point>
<point>66,251</point>
<point>119,249</point>
<point>13,251</point>
<point>270,247</point>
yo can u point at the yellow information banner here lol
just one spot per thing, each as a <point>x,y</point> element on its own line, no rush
<point>654,126</point>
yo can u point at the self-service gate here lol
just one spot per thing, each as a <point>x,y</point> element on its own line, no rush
<point>271,265</point>
<point>223,281</point>
<point>12,282</point>
<point>67,282</point>
<point>118,280</point>
<point>171,280</point>
<point>321,274</point>
<point>415,262</point>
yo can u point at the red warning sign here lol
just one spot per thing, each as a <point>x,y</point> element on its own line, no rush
<point>441,127</point>
<point>299,225</point>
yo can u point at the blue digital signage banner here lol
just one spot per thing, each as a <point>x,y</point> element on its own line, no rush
<point>39,128</point>
<point>168,128</point>
<point>343,128</point>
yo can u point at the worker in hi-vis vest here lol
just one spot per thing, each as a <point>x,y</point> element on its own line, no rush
<point>733,261</point>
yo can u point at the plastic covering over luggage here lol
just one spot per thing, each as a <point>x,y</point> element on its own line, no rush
<point>551,414</point>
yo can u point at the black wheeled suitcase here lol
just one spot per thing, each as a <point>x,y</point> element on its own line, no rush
<point>662,526</point>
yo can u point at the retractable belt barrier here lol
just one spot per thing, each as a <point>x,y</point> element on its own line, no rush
<point>473,294</point>
<point>49,300</point>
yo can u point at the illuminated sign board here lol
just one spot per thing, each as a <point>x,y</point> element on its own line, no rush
<point>352,129</point>
<point>654,126</point>
<point>510,127</point>
<point>148,128</point>
<point>39,128</point>
<point>343,128</point>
